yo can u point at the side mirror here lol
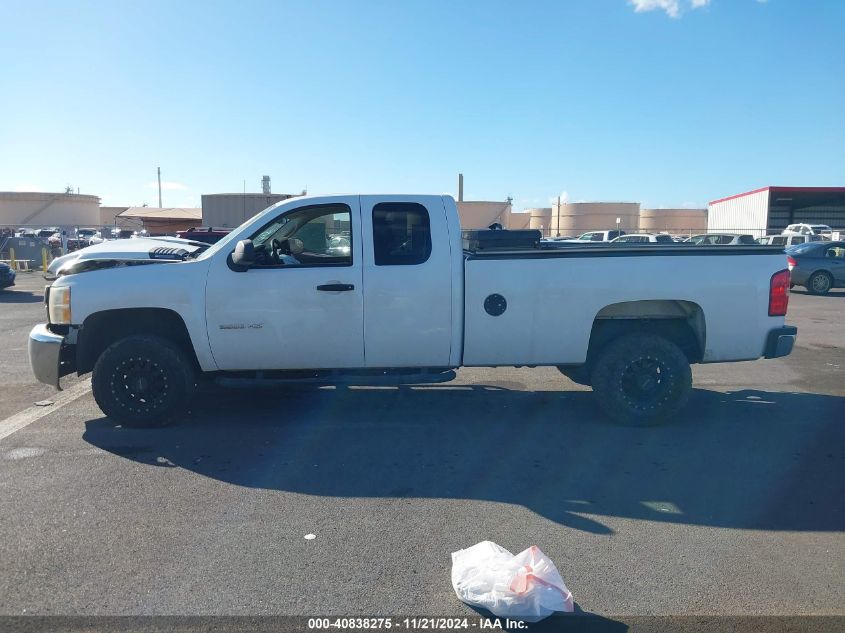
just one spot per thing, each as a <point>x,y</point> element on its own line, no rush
<point>243,257</point>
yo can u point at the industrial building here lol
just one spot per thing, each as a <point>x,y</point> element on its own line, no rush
<point>37,209</point>
<point>769,210</point>
<point>229,210</point>
<point>159,221</point>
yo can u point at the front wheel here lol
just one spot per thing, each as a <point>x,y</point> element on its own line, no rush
<point>143,381</point>
<point>641,379</point>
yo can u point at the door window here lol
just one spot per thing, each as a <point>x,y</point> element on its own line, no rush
<point>318,235</point>
<point>401,234</point>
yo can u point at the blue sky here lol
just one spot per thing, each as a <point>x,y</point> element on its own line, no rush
<point>665,102</point>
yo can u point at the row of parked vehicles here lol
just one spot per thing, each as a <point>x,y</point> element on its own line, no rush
<point>790,236</point>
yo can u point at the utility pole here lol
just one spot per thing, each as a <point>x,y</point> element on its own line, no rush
<point>159,187</point>
<point>558,218</point>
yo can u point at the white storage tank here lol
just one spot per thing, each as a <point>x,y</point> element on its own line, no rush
<point>19,209</point>
<point>674,221</point>
<point>574,218</point>
<point>479,214</point>
<point>539,219</point>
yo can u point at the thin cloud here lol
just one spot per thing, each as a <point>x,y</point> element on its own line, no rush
<point>564,198</point>
<point>672,8</point>
<point>169,186</point>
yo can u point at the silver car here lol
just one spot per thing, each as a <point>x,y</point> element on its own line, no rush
<point>722,239</point>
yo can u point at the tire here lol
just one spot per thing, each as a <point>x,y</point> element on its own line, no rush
<point>143,380</point>
<point>641,379</point>
<point>819,283</point>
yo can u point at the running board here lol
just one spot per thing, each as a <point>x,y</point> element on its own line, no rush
<point>261,380</point>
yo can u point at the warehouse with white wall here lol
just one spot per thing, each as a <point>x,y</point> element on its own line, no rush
<point>769,210</point>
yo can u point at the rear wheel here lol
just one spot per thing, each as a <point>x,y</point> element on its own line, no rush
<point>819,283</point>
<point>143,381</point>
<point>641,379</point>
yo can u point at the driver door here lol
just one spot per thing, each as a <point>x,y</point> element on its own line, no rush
<point>301,306</point>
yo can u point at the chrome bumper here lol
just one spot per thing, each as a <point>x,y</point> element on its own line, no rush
<point>45,350</point>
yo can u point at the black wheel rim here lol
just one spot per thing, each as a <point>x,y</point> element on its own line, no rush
<point>646,382</point>
<point>140,384</point>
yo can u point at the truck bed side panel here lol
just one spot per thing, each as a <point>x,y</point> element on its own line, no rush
<point>552,302</point>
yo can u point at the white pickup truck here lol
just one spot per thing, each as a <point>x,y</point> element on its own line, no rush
<point>339,288</point>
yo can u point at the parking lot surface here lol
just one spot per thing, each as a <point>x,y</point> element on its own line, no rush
<point>736,507</point>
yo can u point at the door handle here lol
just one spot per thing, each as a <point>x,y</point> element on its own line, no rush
<point>336,287</point>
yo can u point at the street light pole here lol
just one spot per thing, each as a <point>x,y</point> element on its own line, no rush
<point>159,187</point>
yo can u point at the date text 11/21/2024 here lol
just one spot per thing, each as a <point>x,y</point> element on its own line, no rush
<point>414,623</point>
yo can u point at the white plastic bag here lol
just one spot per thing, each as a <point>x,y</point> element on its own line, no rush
<point>526,586</point>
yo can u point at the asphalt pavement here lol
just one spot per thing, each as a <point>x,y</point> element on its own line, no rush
<point>736,507</point>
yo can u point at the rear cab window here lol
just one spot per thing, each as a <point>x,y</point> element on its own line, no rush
<point>401,234</point>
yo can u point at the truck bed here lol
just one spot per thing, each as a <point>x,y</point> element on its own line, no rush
<point>538,306</point>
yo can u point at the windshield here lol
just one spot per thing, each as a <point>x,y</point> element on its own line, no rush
<point>801,249</point>
<point>231,237</point>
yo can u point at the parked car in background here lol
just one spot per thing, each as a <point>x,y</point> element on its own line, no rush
<point>88,236</point>
<point>7,276</point>
<point>207,234</point>
<point>808,229</point>
<point>721,239</point>
<point>818,266</point>
<point>49,232</point>
<point>111,253</point>
<point>788,240</point>
<point>597,236</point>
<point>643,238</point>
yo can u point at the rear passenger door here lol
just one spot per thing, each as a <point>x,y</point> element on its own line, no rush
<point>407,281</point>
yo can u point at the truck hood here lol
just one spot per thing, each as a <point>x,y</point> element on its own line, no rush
<point>112,253</point>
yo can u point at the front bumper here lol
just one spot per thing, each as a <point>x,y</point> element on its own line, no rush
<point>45,353</point>
<point>780,341</point>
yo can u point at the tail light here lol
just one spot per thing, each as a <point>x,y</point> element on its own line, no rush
<point>791,262</point>
<point>779,293</point>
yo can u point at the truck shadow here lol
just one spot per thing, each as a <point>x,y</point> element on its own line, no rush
<point>747,459</point>
<point>10,295</point>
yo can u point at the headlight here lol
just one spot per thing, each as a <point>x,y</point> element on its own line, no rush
<point>58,306</point>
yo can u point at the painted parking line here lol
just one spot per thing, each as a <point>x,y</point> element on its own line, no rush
<point>28,416</point>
